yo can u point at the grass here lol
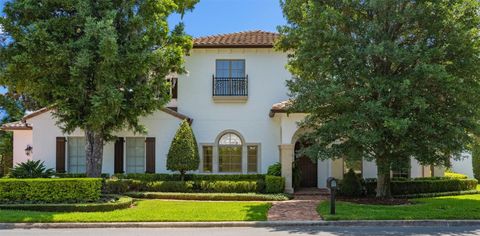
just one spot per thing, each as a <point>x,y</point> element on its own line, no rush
<point>449,207</point>
<point>152,210</point>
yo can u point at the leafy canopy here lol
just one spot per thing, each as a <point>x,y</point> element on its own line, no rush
<point>385,79</point>
<point>102,63</point>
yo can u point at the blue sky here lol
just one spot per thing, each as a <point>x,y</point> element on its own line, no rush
<point>226,16</point>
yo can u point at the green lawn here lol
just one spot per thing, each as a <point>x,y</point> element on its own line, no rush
<point>152,210</point>
<point>450,207</point>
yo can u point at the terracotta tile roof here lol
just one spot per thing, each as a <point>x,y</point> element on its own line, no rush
<point>245,39</point>
<point>17,125</point>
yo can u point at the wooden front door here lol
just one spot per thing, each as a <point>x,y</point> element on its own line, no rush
<point>308,170</point>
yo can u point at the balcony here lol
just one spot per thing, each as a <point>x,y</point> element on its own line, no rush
<point>233,89</point>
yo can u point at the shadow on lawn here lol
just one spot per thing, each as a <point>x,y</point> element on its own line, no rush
<point>256,212</point>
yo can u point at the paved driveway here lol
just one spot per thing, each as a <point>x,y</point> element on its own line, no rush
<point>280,231</point>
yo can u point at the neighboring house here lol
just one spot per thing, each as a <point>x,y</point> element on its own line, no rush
<point>234,94</point>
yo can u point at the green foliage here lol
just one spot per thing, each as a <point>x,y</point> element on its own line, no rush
<point>13,110</point>
<point>275,169</point>
<point>50,190</point>
<point>78,175</point>
<point>350,185</point>
<point>117,204</point>
<point>31,169</point>
<point>476,160</point>
<point>102,64</point>
<point>183,153</point>
<point>274,184</point>
<point>193,177</point>
<point>121,186</point>
<point>454,175</point>
<point>418,186</point>
<point>212,196</point>
<point>385,80</point>
<point>439,194</point>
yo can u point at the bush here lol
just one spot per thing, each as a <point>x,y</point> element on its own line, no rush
<point>78,175</point>
<point>454,175</point>
<point>274,184</point>
<point>183,153</point>
<point>119,203</point>
<point>476,160</point>
<point>212,196</point>
<point>170,186</point>
<point>275,169</point>
<point>190,177</point>
<point>350,185</point>
<point>50,190</point>
<point>31,169</point>
<point>227,186</point>
<point>417,186</point>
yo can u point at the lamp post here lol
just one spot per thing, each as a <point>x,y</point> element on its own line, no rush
<point>332,185</point>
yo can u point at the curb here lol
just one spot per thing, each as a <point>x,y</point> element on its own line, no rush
<point>381,223</point>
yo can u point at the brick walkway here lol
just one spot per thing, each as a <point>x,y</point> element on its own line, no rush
<point>302,207</point>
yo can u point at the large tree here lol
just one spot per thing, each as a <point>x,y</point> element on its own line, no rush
<point>101,63</point>
<point>385,80</point>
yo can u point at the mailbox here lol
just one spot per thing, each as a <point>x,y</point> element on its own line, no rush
<point>332,185</point>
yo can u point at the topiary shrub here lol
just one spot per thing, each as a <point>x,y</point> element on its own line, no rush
<point>31,169</point>
<point>350,185</point>
<point>170,186</point>
<point>275,169</point>
<point>50,190</point>
<point>183,153</point>
<point>274,184</point>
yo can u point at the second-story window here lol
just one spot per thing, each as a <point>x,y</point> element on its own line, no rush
<point>230,68</point>
<point>230,79</point>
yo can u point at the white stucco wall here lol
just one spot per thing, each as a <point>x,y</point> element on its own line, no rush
<point>464,165</point>
<point>160,125</point>
<point>266,85</point>
<point>21,138</point>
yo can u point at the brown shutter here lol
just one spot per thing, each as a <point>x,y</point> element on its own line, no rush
<point>175,88</point>
<point>150,155</point>
<point>118,156</point>
<point>60,155</point>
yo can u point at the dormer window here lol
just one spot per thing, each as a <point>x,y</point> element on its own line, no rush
<point>230,82</point>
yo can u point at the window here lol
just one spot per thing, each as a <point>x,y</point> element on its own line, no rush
<point>401,169</point>
<point>135,155</point>
<point>230,153</point>
<point>356,165</point>
<point>207,159</point>
<point>230,68</point>
<point>76,155</point>
<point>252,159</point>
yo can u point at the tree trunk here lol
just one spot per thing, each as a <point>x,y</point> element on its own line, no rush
<point>383,178</point>
<point>94,153</point>
<point>182,175</point>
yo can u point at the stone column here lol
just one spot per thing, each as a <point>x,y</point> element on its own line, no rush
<point>286,159</point>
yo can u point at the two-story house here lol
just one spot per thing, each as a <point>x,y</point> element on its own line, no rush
<point>235,96</point>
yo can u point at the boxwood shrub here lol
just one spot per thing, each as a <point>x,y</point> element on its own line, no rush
<point>60,190</point>
<point>120,186</point>
<point>120,203</point>
<point>424,185</point>
<point>274,184</point>
<point>190,177</point>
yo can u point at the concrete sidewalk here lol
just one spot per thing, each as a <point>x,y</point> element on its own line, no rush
<point>383,223</point>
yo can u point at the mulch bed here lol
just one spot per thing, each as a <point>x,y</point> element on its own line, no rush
<point>376,201</point>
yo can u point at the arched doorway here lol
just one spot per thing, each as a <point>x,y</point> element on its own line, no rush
<point>308,169</point>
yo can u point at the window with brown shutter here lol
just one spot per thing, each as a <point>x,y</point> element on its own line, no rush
<point>60,155</point>
<point>150,155</point>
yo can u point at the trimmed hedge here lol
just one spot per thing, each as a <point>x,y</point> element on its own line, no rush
<point>211,196</point>
<point>125,185</point>
<point>50,190</point>
<point>78,175</point>
<point>454,175</point>
<point>424,185</point>
<point>274,184</point>
<point>442,194</point>
<point>190,177</point>
<point>120,203</point>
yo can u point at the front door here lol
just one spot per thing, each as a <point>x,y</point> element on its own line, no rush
<point>308,169</point>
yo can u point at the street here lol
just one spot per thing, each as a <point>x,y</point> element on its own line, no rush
<point>324,231</point>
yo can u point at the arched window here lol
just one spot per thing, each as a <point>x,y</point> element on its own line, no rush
<point>230,153</point>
